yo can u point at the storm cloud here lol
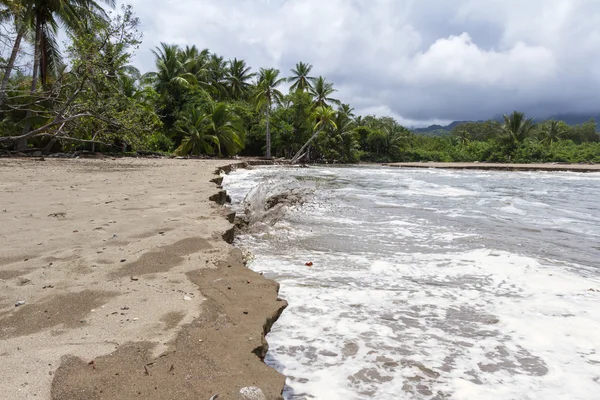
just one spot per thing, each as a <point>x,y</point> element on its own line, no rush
<point>420,61</point>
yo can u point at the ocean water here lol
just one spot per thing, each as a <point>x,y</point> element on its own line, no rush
<point>428,284</point>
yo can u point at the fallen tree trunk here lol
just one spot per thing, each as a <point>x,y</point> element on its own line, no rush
<point>300,154</point>
<point>41,131</point>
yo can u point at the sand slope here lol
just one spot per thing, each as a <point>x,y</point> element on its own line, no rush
<point>122,262</point>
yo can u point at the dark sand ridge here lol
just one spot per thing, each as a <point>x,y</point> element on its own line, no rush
<point>123,263</point>
<point>501,167</point>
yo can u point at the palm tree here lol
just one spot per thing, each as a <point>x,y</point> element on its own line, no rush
<point>192,127</point>
<point>321,92</point>
<point>397,138</point>
<point>266,93</point>
<point>224,123</point>
<point>220,128</point>
<point>552,131</point>
<point>238,75</point>
<point>463,137</point>
<point>217,67</point>
<point>301,80</point>
<point>325,117</point>
<point>516,127</point>
<point>19,15</point>
<point>45,16</point>
<point>171,71</point>
<point>171,81</point>
<point>389,139</point>
<point>345,133</point>
<point>195,62</point>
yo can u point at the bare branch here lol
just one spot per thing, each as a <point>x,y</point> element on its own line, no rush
<point>75,139</point>
<point>38,131</point>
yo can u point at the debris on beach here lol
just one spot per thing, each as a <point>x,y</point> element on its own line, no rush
<point>252,393</point>
<point>19,303</point>
<point>309,264</point>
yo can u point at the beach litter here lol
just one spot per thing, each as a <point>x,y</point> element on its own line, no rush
<point>19,303</point>
<point>252,393</point>
<point>309,264</point>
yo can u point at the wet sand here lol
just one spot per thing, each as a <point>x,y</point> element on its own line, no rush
<point>129,289</point>
<point>501,167</point>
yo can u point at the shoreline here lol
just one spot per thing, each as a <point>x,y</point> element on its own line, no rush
<point>500,166</point>
<point>162,308</point>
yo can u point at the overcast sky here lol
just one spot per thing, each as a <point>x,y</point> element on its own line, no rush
<point>419,61</point>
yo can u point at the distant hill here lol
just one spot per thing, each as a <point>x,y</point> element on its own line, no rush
<point>438,130</point>
<point>574,119</point>
<point>570,119</point>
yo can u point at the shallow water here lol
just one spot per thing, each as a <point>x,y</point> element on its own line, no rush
<point>429,284</point>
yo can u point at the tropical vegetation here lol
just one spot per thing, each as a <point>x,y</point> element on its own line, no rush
<point>193,102</point>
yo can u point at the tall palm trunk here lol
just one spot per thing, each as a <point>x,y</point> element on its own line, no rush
<point>268,155</point>
<point>21,144</point>
<point>11,63</point>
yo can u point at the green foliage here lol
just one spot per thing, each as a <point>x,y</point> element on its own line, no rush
<point>160,142</point>
<point>197,102</point>
<point>300,79</point>
<point>218,131</point>
<point>114,117</point>
<point>321,91</point>
<point>479,131</point>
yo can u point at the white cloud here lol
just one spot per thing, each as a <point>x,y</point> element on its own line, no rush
<point>416,60</point>
<point>458,60</point>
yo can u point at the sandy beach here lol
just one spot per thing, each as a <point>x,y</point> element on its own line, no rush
<point>116,283</point>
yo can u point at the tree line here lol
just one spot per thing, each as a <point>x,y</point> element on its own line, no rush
<point>195,102</point>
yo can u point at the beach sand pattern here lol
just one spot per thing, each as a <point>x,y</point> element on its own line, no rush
<point>126,288</point>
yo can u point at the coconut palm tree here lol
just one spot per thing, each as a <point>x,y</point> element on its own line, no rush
<point>45,17</point>
<point>195,62</point>
<point>219,129</point>
<point>300,79</point>
<point>170,80</point>
<point>325,117</point>
<point>397,138</point>
<point>344,132</point>
<point>224,123</point>
<point>266,94</point>
<point>170,70</point>
<point>192,127</point>
<point>217,67</point>
<point>516,127</point>
<point>552,131</point>
<point>389,139</point>
<point>321,91</point>
<point>463,137</point>
<point>237,78</point>
<point>18,14</point>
